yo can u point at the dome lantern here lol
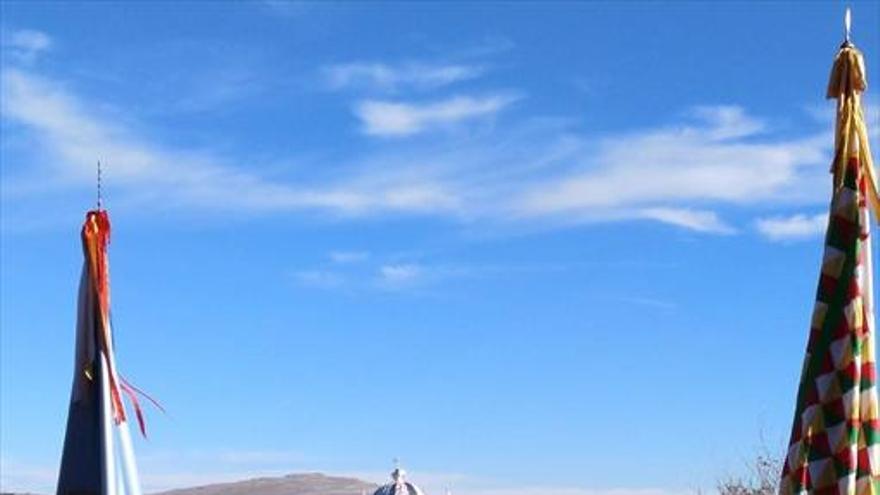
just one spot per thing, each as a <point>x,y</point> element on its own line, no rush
<point>399,485</point>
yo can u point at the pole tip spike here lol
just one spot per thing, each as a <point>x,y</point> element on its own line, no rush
<point>847,24</point>
<point>100,199</point>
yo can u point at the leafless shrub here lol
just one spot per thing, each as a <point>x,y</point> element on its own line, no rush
<point>763,478</point>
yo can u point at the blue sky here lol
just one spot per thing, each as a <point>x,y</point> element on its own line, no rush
<point>527,248</point>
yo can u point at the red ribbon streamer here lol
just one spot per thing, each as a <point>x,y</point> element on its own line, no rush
<point>96,237</point>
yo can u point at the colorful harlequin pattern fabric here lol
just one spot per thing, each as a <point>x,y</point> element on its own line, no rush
<point>835,440</point>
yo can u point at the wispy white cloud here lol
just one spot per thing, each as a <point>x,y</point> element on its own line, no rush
<point>535,172</point>
<point>395,119</point>
<point>400,274</point>
<point>348,257</point>
<point>700,221</point>
<point>419,272</point>
<point>25,45</point>
<point>663,174</point>
<point>320,278</point>
<point>728,122</point>
<point>393,276</point>
<point>77,137</point>
<point>355,272</point>
<point>201,91</point>
<point>384,77</point>
<point>649,302</point>
<point>794,227</point>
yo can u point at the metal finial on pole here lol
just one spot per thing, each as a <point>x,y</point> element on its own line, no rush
<point>847,25</point>
<point>398,475</point>
<point>100,199</point>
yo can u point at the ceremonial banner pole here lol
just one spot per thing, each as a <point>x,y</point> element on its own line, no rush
<point>98,457</point>
<point>835,439</point>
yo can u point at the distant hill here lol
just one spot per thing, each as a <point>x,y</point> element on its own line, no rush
<point>294,484</point>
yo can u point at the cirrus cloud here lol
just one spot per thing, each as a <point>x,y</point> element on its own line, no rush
<point>396,119</point>
<point>790,228</point>
<point>24,45</point>
<point>535,171</point>
<point>385,77</point>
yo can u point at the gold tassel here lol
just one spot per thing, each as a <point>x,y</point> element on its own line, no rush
<point>846,84</point>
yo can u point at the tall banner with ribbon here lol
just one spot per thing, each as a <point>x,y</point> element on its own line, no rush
<point>835,439</point>
<point>98,458</point>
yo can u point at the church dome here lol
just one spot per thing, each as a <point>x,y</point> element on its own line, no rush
<point>399,485</point>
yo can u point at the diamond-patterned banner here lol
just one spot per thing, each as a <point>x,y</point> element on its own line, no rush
<point>835,447</point>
